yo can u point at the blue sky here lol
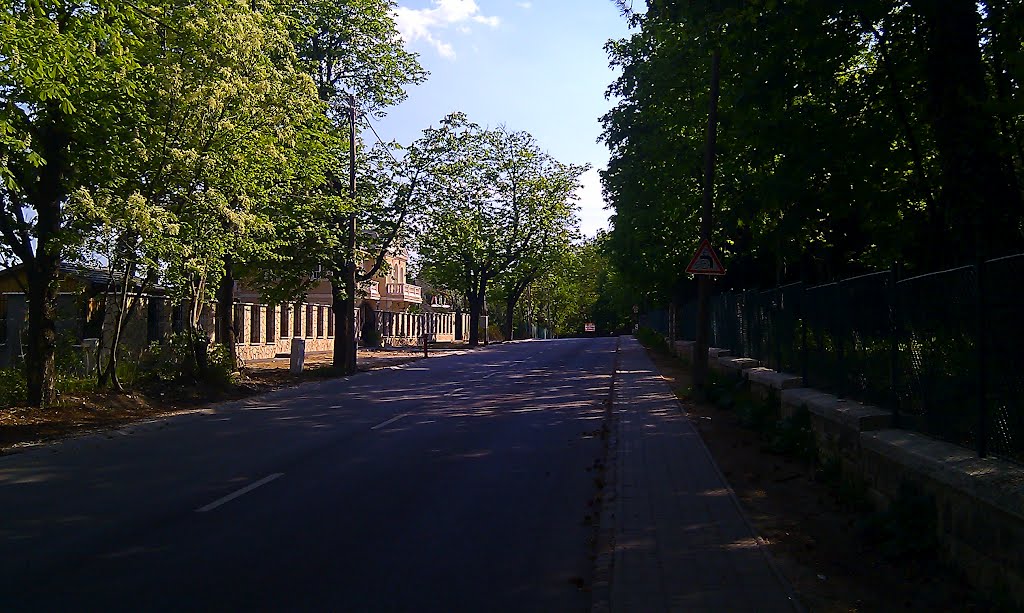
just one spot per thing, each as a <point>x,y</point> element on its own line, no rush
<point>534,65</point>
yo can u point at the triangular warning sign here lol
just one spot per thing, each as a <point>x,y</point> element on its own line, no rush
<point>705,261</point>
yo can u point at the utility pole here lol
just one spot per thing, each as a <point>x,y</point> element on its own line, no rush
<point>348,316</point>
<point>700,358</point>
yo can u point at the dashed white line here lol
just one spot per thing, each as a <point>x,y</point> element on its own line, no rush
<point>388,422</point>
<point>245,490</point>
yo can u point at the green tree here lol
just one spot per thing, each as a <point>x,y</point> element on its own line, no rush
<point>68,74</point>
<point>497,203</point>
<point>354,53</point>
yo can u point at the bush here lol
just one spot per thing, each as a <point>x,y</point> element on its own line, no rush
<point>494,334</point>
<point>175,360</point>
<point>371,336</point>
<point>13,387</point>
<point>793,436</point>
<point>652,339</point>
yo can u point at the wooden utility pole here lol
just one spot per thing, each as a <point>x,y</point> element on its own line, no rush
<point>700,357</point>
<point>345,339</point>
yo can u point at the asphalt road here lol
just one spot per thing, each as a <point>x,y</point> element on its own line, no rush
<point>460,483</point>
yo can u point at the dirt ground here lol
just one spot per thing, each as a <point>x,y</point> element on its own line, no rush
<point>21,427</point>
<point>817,541</point>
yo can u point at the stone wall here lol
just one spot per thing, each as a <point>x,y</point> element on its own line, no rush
<point>975,505</point>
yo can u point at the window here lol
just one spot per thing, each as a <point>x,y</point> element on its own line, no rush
<point>271,328</point>
<point>330,321</point>
<point>239,323</point>
<point>297,321</point>
<point>319,321</point>
<point>284,321</point>
<point>309,321</point>
<point>254,323</point>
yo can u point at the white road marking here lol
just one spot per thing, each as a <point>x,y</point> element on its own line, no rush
<point>245,490</point>
<point>388,422</point>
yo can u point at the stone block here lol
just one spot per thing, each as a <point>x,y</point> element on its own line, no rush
<point>850,414</point>
<point>764,381</point>
<point>735,365</point>
<point>979,502</point>
<point>298,355</point>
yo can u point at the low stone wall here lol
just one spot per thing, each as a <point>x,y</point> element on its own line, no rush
<point>976,505</point>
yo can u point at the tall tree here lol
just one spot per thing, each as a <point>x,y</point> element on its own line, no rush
<point>495,197</point>
<point>355,55</point>
<point>68,74</point>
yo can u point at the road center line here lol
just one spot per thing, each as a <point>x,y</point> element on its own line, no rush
<point>388,422</point>
<point>245,490</point>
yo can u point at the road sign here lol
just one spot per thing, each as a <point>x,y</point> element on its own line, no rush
<point>636,309</point>
<point>589,327</point>
<point>705,261</point>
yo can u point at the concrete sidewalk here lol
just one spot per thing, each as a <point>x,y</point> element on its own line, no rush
<point>675,537</point>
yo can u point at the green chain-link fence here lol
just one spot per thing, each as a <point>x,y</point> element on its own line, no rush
<point>943,351</point>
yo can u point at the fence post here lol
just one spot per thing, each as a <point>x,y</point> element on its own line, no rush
<point>841,302</point>
<point>803,333</point>
<point>983,421</point>
<point>894,343</point>
<point>773,324</point>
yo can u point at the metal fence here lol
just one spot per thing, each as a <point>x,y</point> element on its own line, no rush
<point>943,351</point>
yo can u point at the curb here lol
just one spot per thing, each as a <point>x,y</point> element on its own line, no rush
<point>605,546</point>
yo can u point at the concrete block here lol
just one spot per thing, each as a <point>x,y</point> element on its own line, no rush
<point>847,413</point>
<point>994,481</point>
<point>298,355</point>
<point>715,353</point>
<point>769,379</point>
<point>737,365</point>
<point>684,349</point>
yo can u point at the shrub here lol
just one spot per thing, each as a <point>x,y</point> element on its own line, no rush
<point>13,387</point>
<point>793,436</point>
<point>176,360</point>
<point>652,339</point>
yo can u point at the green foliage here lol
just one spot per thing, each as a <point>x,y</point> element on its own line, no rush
<point>792,436</point>
<point>841,143</point>
<point>652,339</point>
<point>371,336</point>
<point>498,209</point>
<point>175,361</point>
<point>13,387</point>
<point>906,529</point>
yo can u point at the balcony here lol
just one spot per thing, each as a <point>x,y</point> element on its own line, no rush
<point>403,292</point>
<point>371,289</point>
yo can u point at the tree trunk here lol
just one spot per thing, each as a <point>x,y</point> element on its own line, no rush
<point>344,304</point>
<point>42,332</point>
<point>226,310</point>
<point>476,304</point>
<point>42,270</point>
<point>115,340</point>
<point>976,191</point>
<point>510,307</point>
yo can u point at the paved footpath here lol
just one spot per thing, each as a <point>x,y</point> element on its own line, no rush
<point>679,541</point>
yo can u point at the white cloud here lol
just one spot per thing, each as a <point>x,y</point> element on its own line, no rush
<point>593,214</point>
<point>424,24</point>
<point>525,5</point>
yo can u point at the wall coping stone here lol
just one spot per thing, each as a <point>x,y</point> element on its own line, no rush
<point>772,379</point>
<point>715,352</point>
<point>997,482</point>
<point>737,363</point>
<point>850,413</point>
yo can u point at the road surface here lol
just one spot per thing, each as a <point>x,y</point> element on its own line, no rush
<point>462,483</point>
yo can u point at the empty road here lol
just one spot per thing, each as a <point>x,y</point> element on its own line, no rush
<point>459,483</point>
